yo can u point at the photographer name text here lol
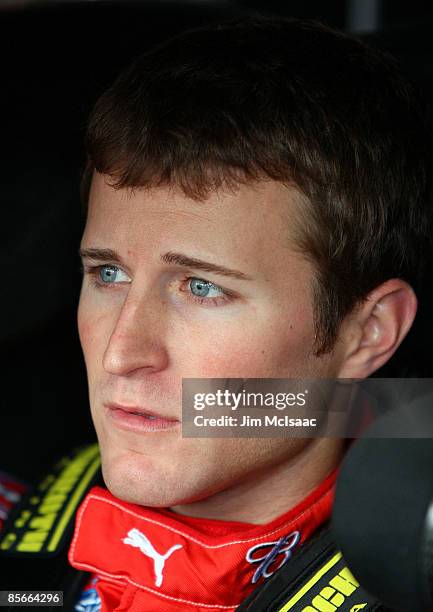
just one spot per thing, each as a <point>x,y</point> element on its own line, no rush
<point>248,421</point>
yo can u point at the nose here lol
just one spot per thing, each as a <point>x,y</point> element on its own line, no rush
<point>137,340</point>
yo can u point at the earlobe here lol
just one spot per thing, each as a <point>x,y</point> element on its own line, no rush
<point>382,321</point>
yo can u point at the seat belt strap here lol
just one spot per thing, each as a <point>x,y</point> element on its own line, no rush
<point>35,539</point>
<point>316,579</point>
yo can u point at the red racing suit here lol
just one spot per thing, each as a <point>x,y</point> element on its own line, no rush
<point>153,560</point>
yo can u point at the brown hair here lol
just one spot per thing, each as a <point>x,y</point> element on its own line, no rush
<point>290,101</point>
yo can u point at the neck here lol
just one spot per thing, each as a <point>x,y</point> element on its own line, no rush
<point>262,497</point>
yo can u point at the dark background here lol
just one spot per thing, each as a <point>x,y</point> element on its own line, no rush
<point>56,58</point>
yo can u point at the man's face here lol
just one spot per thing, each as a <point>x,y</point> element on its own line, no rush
<point>146,320</point>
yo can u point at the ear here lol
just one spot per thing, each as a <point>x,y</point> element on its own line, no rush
<point>375,329</point>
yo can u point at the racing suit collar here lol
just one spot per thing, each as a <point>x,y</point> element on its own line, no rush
<point>151,559</point>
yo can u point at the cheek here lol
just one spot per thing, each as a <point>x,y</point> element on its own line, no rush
<point>253,350</point>
<point>93,329</point>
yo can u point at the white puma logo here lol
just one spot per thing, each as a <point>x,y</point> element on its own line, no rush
<point>138,540</point>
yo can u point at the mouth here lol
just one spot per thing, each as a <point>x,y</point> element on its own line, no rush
<point>139,419</point>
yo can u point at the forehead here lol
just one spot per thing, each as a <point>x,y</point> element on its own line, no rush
<point>249,226</point>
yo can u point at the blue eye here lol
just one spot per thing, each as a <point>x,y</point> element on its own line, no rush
<point>112,274</point>
<point>108,274</point>
<point>202,288</point>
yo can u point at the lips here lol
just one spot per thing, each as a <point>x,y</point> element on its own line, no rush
<point>140,411</point>
<point>139,420</point>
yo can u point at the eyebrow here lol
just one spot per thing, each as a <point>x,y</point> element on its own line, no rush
<point>99,255</point>
<point>170,258</point>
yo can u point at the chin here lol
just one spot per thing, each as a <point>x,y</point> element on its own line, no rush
<point>134,482</point>
<point>135,490</point>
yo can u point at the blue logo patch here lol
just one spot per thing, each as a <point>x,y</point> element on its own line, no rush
<point>89,600</point>
<point>283,546</point>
